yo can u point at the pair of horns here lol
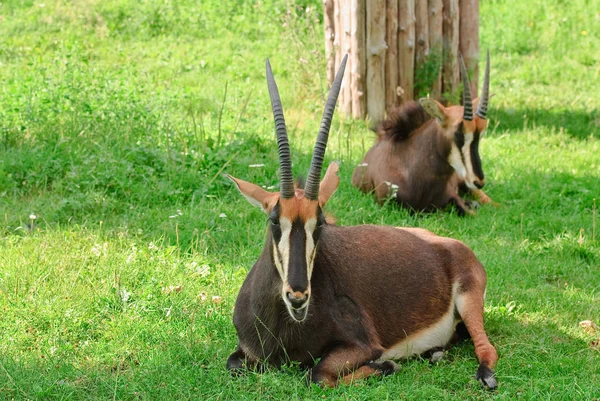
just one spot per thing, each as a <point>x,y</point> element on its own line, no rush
<point>485,91</point>
<point>311,189</point>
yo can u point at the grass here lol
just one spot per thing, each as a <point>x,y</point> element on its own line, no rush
<point>115,129</point>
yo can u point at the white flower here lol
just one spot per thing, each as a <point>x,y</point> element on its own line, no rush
<point>363,164</point>
<point>125,295</point>
<point>256,165</point>
<point>32,216</point>
<point>203,270</point>
<point>223,216</point>
<point>152,247</point>
<point>96,250</point>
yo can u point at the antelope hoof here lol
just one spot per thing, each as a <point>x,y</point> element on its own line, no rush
<point>472,204</point>
<point>486,376</point>
<point>235,364</point>
<point>384,368</point>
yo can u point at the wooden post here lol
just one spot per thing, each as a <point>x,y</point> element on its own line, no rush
<point>337,40</point>
<point>398,50</point>
<point>391,56</point>
<point>450,74</point>
<point>469,39</point>
<point>329,38</point>
<point>345,94</point>
<point>406,48</point>
<point>436,44</point>
<point>376,48</point>
<point>422,44</point>
<point>357,58</point>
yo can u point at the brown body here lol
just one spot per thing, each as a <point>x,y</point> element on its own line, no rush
<point>411,153</point>
<point>366,301</point>
<point>426,152</point>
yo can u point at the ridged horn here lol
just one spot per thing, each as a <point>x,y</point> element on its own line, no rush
<point>467,101</point>
<point>286,190</point>
<point>485,91</point>
<point>311,189</point>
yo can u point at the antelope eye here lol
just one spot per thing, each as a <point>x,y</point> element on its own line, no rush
<point>274,218</point>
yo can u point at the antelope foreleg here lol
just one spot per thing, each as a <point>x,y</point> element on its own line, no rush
<point>342,362</point>
<point>483,198</point>
<point>238,361</point>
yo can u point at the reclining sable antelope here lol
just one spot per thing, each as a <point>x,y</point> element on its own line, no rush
<point>424,161</point>
<point>355,297</point>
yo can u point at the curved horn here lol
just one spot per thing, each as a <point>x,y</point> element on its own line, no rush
<point>285,162</point>
<point>311,189</point>
<point>467,102</point>
<point>485,91</point>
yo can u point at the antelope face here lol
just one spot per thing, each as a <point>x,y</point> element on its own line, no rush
<point>463,130</point>
<point>295,226</point>
<point>464,151</point>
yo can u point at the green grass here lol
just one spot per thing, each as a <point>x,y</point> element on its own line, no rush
<point>115,129</point>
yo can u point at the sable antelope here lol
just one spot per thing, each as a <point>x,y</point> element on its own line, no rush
<point>422,161</point>
<point>355,297</point>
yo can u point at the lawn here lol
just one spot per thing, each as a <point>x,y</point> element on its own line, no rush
<point>122,247</point>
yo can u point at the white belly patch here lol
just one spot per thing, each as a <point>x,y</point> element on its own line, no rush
<point>436,335</point>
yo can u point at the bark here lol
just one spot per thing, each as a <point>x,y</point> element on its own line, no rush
<point>469,39</point>
<point>376,49</point>
<point>406,48</point>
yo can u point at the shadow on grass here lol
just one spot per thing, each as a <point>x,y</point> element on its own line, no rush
<point>578,124</point>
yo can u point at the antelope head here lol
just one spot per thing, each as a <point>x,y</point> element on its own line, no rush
<point>463,129</point>
<point>295,215</point>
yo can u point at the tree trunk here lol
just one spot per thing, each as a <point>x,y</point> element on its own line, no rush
<point>345,94</point>
<point>450,74</point>
<point>436,45</point>
<point>469,39</point>
<point>329,38</point>
<point>357,57</point>
<point>391,56</point>
<point>337,40</point>
<point>422,48</point>
<point>376,48</point>
<point>406,48</point>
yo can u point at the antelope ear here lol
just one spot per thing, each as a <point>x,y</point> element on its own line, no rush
<point>256,195</point>
<point>434,109</point>
<point>329,184</point>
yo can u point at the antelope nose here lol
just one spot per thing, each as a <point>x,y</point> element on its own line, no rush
<point>297,298</point>
<point>479,184</point>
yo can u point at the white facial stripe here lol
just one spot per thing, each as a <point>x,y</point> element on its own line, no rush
<point>309,228</point>
<point>468,163</point>
<point>284,245</point>
<point>456,162</point>
<point>277,259</point>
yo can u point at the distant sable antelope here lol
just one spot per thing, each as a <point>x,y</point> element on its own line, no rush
<point>424,161</point>
<point>355,297</point>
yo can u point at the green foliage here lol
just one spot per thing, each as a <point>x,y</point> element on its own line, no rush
<point>122,246</point>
